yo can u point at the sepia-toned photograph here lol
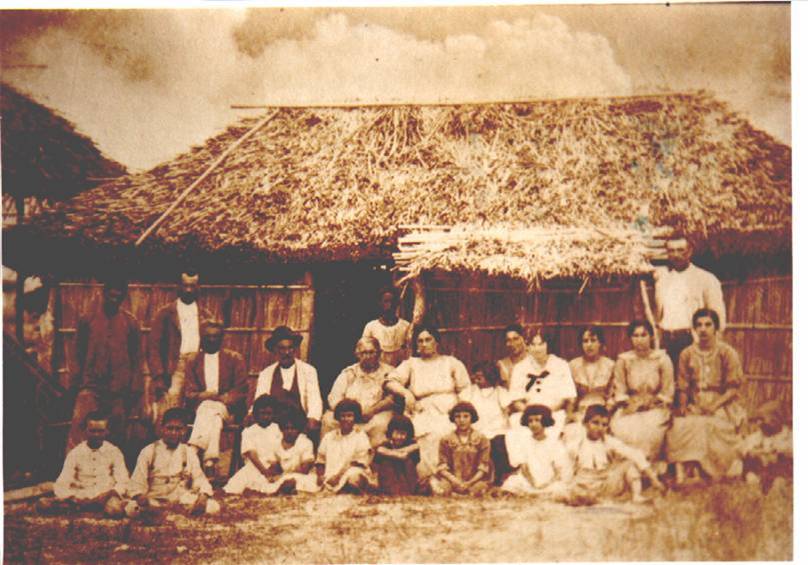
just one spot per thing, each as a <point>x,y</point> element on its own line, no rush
<point>447,284</point>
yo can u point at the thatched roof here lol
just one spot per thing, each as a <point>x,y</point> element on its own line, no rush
<point>325,184</point>
<point>43,154</point>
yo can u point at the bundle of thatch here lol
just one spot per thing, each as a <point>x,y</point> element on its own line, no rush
<point>334,183</point>
<point>43,154</point>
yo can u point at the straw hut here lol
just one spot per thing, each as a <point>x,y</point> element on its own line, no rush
<point>544,212</point>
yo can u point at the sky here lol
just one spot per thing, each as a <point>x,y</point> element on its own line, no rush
<point>146,85</point>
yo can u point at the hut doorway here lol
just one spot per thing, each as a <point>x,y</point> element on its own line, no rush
<point>345,300</point>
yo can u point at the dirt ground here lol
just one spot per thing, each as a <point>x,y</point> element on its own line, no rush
<point>722,522</point>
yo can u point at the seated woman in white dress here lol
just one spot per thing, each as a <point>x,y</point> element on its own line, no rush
<point>363,382</point>
<point>541,378</point>
<point>430,384</point>
<point>392,332</point>
<point>643,392</point>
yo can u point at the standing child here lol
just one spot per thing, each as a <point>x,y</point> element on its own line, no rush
<point>396,460</point>
<point>489,397</point>
<point>544,465</point>
<point>168,472</point>
<point>294,455</point>
<point>94,475</point>
<point>344,454</point>
<point>464,464</point>
<point>259,444</point>
<point>604,465</point>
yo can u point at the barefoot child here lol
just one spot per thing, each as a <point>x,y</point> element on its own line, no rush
<point>94,476</point>
<point>168,472</point>
<point>543,463</point>
<point>259,445</point>
<point>293,471</point>
<point>490,398</point>
<point>604,465</point>
<point>464,456</point>
<point>396,460</point>
<point>344,454</point>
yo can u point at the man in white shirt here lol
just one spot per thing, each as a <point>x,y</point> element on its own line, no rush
<point>173,341</point>
<point>291,380</point>
<point>216,381</point>
<point>681,289</point>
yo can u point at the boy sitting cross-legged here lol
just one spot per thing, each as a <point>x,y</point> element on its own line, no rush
<point>94,475</point>
<point>604,465</point>
<point>168,472</point>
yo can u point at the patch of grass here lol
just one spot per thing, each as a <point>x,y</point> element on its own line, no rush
<point>725,521</point>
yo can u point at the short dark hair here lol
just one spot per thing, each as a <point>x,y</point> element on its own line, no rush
<point>704,312</point>
<point>294,416</point>
<point>388,290</point>
<point>463,406</point>
<point>348,405</point>
<point>175,414</point>
<point>401,423</point>
<point>538,410</point>
<point>419,329</point>
<point>96,416</point>
<point>640,323</point>
<point>549,339</point>
<point>116,282</point>
<point>265,401</point>
<point>490,371</point>
<point>595,331</point>
<point>596,410</point>
<point>518,328</point>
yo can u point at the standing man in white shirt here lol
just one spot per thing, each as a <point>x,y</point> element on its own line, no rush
<point>681,289</point>
<point>291,380</point>
<point>216,385</point>
<point>173,341</point>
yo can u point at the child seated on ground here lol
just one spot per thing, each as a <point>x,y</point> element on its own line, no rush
<point>544,466</point>
<point>94,476</point>
<point>768,450</point>
<point>168,472</point>
<point>344,456</point>
<point>604,465</point>
<point>396,460</point>
<point>259,445</point>
<point>489,397</point>
<point>464,464</point>
<point>294,470</point>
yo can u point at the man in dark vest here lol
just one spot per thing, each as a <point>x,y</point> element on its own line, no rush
<point>291,380</point>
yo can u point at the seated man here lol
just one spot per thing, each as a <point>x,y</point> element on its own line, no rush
<point>94,475</point>
<point>363,382</point>
<point>216,387</point>
<point>168,472</point>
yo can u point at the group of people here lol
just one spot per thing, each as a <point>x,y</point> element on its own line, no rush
<point>400,423</point>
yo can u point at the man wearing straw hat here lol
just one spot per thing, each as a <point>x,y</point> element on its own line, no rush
<point>681,289</point>
<point>291,380</point>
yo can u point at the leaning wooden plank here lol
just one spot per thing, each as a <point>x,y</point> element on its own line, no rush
<point>26,493</point>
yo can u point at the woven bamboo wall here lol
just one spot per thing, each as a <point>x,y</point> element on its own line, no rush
<point>250,313</point>
<point>472,311</point>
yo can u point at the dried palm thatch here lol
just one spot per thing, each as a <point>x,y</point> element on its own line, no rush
<point>325,184</point>
<point>43,154</point>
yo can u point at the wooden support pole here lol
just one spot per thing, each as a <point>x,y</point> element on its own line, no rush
<point>649,313</point>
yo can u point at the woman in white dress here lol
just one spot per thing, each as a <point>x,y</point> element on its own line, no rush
<point>430,383</point>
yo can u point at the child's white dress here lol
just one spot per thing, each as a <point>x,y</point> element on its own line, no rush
<point>491,404</point>
<point>291,460</point>
<point>544,465</point>
<point>345,456</point>
<point>265,442</point>
<point>604,468</point>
